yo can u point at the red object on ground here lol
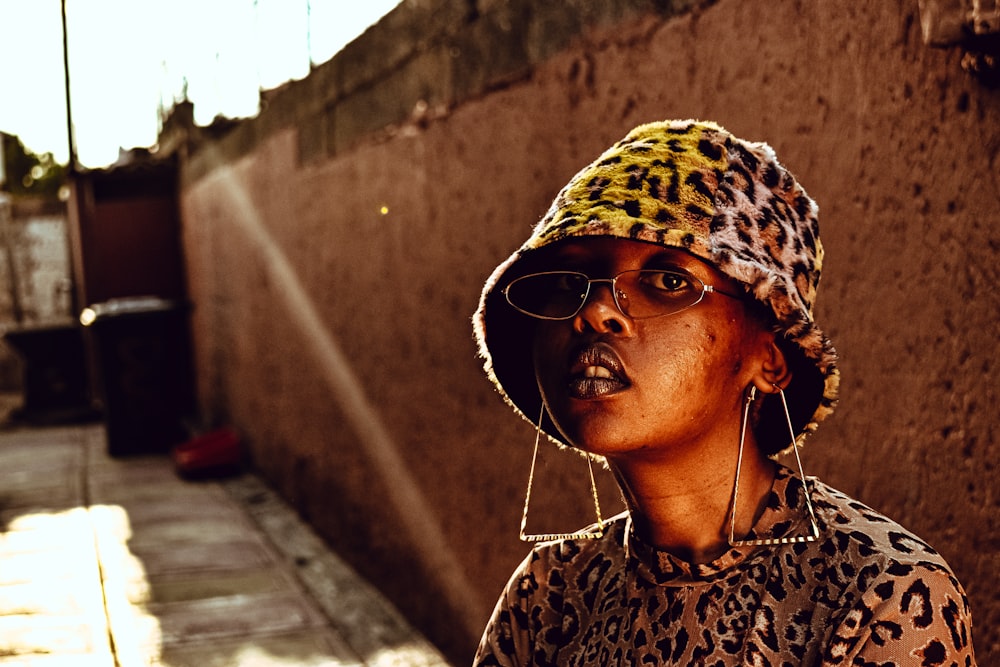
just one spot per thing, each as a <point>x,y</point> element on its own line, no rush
<point>215,452</point>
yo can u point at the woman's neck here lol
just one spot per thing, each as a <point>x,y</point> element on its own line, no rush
<point>682,503</point>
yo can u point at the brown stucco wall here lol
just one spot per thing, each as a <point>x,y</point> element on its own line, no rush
<point>337,336</point>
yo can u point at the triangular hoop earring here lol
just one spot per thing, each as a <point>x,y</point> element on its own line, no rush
<point>592,533</point>
<point>814,526</point>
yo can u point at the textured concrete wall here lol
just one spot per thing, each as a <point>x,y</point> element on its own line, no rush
<point>34,239</point>
<point>334,278</point>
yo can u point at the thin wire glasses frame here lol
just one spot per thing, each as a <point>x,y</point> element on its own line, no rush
<point>638,293</point>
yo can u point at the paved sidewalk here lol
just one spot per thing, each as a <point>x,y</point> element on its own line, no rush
<point>118,562</point>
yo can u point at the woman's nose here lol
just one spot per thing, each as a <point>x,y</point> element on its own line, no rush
<point>600,311</point>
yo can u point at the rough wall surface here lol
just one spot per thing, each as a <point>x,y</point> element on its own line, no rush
<point>333,287</point>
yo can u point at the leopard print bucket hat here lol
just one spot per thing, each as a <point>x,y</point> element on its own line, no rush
<point>690,185</point>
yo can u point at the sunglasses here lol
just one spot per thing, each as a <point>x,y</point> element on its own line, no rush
<point>639,294</point>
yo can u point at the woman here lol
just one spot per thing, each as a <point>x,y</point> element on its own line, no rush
<point>659,319</point>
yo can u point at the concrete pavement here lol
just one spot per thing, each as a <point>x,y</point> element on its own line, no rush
<point>118,562</point>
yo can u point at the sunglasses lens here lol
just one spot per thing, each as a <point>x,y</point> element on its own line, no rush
<point>554,295</point>
<point>650,293</point>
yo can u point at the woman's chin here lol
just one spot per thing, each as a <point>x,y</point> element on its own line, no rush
<point>592,444</point>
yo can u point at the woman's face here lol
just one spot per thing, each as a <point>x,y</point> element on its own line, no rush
<point>616,385</point>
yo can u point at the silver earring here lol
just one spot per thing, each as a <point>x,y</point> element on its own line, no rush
<point>814,526</point>
<point>593,533</point>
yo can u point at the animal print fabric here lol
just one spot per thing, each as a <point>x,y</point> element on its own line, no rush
<point>866,593</point>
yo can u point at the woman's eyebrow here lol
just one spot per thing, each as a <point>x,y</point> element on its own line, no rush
<point>673,260</point>
<point>574,259</point>
<point>571,252</point>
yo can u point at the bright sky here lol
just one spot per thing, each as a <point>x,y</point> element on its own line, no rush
<point>129,57</point>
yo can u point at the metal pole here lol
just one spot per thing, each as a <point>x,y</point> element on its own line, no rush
<point>70,135</point>
<point>74,206</point>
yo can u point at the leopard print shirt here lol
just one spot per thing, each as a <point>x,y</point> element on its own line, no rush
<point>867,592</point>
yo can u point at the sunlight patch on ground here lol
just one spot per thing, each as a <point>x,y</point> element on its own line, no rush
<point>54,611</point>
<point>117,562</point>
<point>51,600</point>
<point>136,633</point>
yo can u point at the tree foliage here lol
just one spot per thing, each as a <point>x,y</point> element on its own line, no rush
<point>27,173</point>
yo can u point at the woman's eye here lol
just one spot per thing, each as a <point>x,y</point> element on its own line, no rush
<point>666,281</point>
<point>568,282</point>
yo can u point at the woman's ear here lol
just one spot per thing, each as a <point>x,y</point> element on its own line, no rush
<point>774,370</point>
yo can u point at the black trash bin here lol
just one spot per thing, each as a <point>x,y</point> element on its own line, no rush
<point>54,373</point>
<point>140,349</point>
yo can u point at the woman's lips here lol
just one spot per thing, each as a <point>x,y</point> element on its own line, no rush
<point>595,371</point>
